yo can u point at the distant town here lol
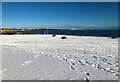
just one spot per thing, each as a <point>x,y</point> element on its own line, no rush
<point>11,31</point>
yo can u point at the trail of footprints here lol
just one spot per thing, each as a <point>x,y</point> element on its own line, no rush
<point>75,62</point>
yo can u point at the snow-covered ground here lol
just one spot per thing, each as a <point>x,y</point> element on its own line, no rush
<point>43,57</point>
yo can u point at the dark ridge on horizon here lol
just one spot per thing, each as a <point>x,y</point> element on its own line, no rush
<point>90,32</point>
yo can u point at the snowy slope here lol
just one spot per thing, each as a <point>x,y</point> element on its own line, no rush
<point>43,57</point>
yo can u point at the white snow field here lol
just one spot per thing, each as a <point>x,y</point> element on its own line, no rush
<point>43,57</point>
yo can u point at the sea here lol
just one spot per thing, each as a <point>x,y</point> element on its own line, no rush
<point>100,33</point>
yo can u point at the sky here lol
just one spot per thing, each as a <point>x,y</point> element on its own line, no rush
<point>37,14</point>
<point>60,0</point>
<point>0,14</point>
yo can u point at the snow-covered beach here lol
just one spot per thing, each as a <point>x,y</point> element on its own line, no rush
<point>43,57</point>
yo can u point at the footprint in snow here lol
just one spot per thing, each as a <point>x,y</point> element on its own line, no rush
<point>2,72</point>
<point>27,62</point>
<point>82,63</point>
<point>36,56</point>
<point>72,67</point>
<point>95,57</point>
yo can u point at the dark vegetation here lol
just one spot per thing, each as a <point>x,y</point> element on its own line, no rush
<point>53,35</point>
<point>63,37</point>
